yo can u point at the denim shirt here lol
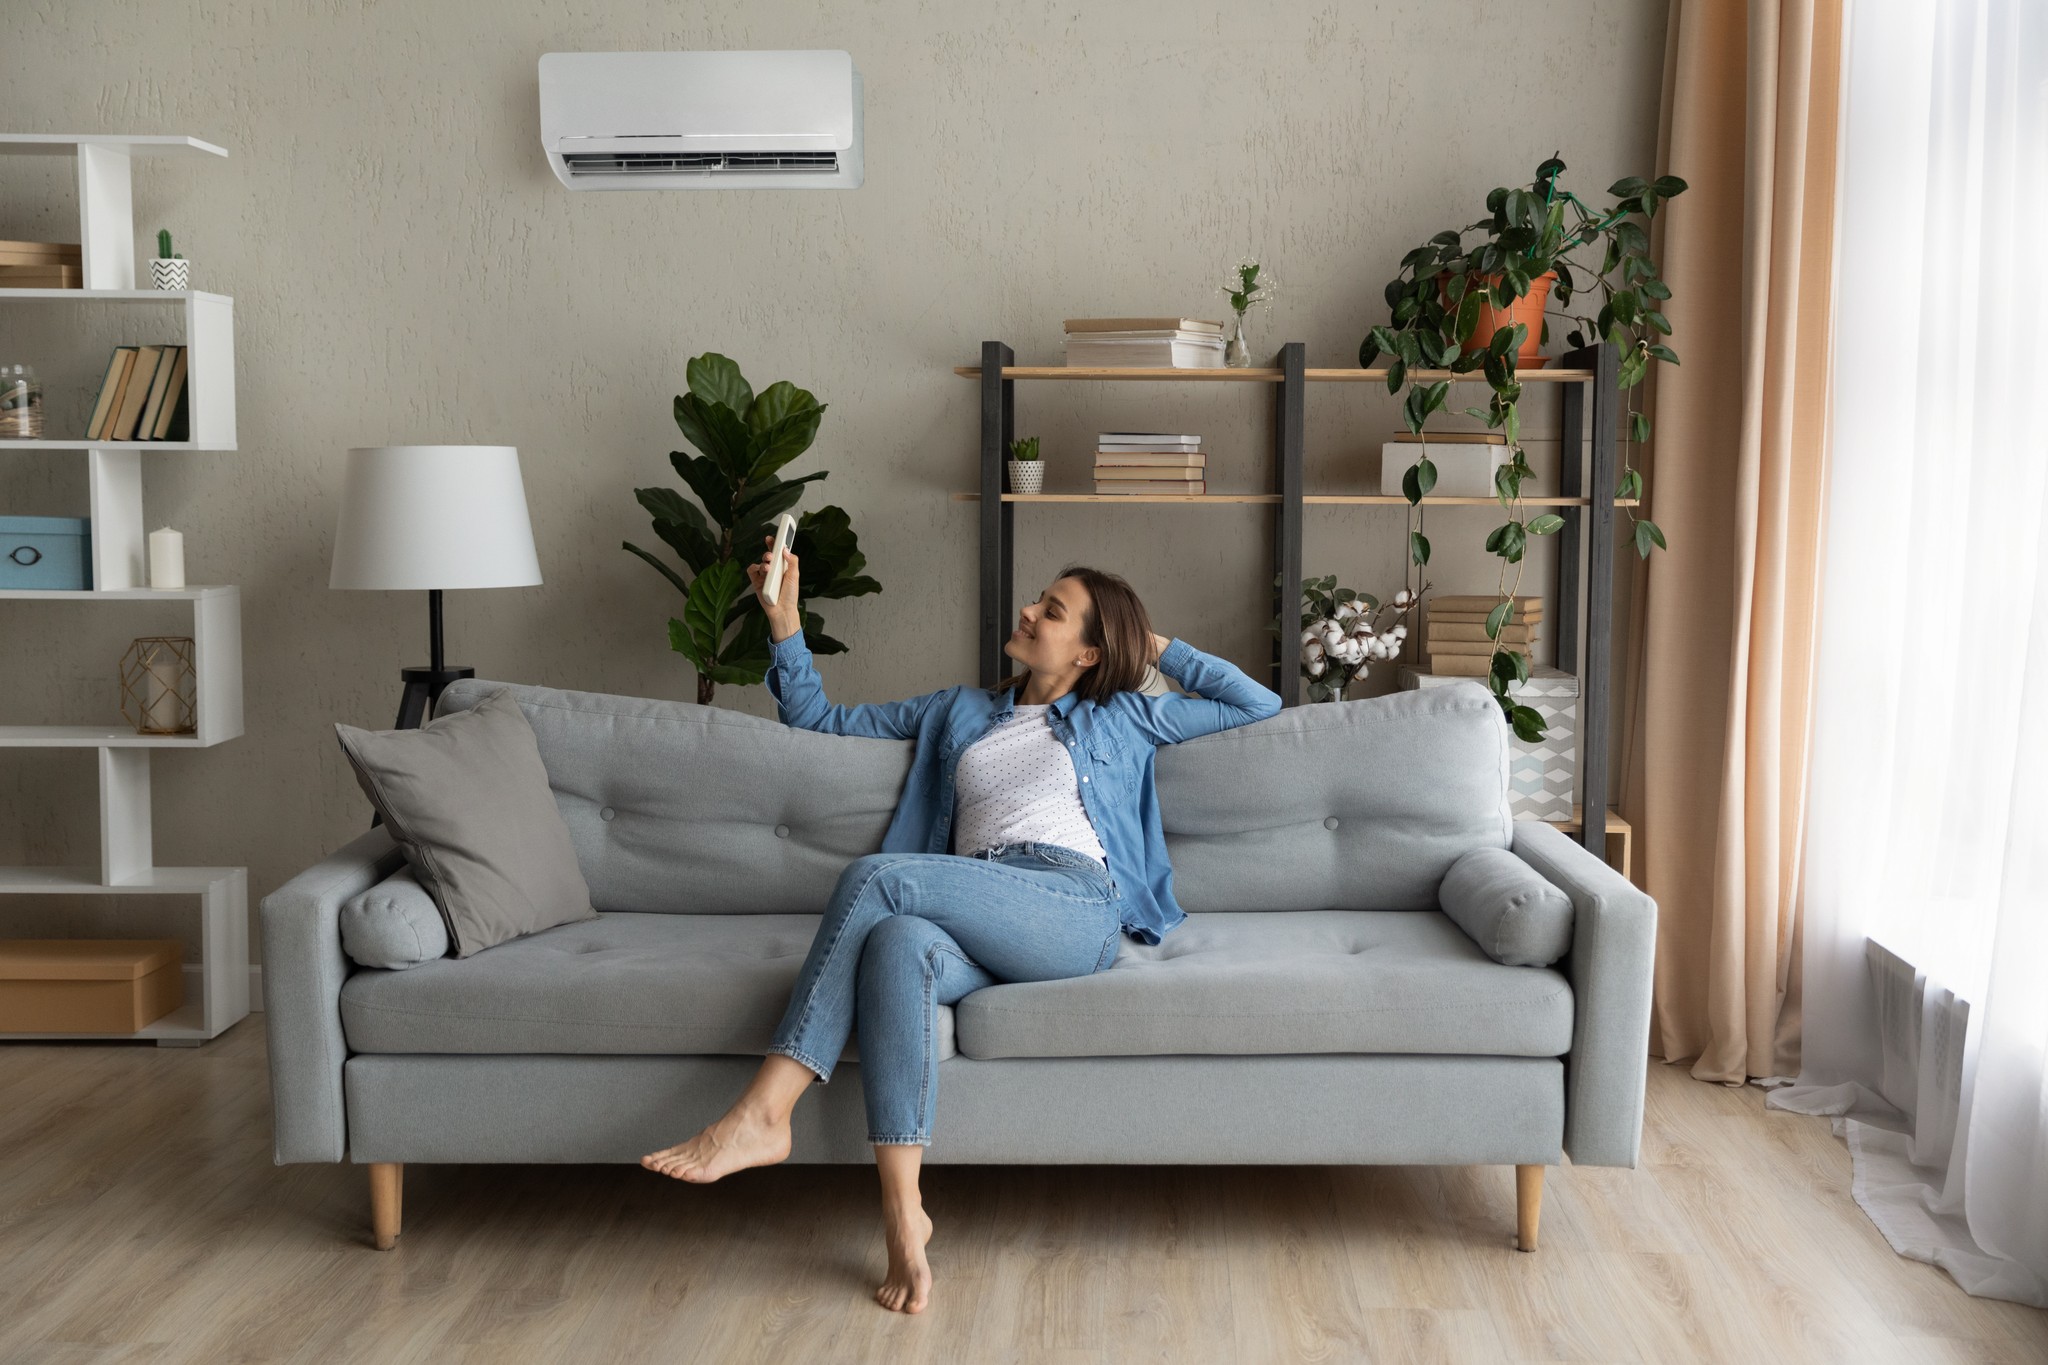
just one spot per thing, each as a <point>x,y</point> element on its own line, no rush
<point>1112,744</point>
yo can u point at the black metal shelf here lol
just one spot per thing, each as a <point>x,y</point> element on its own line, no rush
<point>1587,471</point>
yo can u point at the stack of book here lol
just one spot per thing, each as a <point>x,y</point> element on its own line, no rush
<point>1456,641</point>
<point>41,265</point>
<point>142,397</point>
<point>1145,343</point>
<point>1150,462</point>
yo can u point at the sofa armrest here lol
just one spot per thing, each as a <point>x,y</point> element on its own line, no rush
<point>303,970</point>
<point>1611,965</point>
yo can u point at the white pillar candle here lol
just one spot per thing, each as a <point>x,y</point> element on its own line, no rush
<point>166,559</point>
<point>159,694</point>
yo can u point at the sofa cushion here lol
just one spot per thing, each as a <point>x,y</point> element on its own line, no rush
<point>1508,909</point>
<point>394,924</point>
<point>1237,983</point>
<point>1356,805</point>
<point>620,983</point>
<point>467,797</point>
<point>1348,805</point>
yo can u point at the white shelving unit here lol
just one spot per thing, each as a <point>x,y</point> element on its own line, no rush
<point>217,986</point>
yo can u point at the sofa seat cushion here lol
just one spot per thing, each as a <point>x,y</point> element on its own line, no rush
<point>620,983</point>
<point>1279,982</point>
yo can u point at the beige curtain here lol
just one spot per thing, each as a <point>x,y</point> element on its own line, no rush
<point>1723,621</point>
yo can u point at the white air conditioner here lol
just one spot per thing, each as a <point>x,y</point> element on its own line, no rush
<point>701,120</point>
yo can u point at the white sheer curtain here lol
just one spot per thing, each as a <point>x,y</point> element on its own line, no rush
<point>1925,884</point>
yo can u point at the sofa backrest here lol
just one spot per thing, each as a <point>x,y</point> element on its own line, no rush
<point>676,807</point>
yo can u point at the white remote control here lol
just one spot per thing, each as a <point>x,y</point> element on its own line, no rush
<point>785,532</point>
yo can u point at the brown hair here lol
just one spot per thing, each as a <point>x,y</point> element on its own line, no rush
<point>1114,623</point>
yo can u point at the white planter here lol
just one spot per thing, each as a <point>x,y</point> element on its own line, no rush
<point>174,274</point>
<point>1463,469</point>
<point>1026,476</point>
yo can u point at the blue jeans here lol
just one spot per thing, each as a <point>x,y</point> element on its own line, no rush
<point>907,932</point>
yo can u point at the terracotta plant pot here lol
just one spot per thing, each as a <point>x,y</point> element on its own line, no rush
<point>1527,310</point>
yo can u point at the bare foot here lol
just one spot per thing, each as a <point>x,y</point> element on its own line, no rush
<point>909,1286</point>
<point>732,1143</point>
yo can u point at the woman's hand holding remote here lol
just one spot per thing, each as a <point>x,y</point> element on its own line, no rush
<point>784,620</point>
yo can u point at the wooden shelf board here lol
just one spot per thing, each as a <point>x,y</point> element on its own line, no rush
<point>17,443</point>
<point>1615,824</point>
<point>94,737</point>
<point>86,881</point>
<point>186,1021</point>
<point>1098,372</point>
<point>146,144</point>
<point>1254,376</point>
<point>1545,376</point>
<point>117,296</point>
<point>1316,499</point>
<point>193,594</point>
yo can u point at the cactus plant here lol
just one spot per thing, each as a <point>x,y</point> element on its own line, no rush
<point>163,246</point>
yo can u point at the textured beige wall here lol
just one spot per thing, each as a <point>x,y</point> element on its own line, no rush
<point>405,268</point>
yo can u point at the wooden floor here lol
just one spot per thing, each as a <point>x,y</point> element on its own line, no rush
<point>141,1219</point>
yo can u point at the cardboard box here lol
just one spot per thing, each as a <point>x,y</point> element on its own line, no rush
<point>1543,778</point>
<point>88,985</point>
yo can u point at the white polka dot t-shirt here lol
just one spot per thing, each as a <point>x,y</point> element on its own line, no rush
<point>1017,783</point>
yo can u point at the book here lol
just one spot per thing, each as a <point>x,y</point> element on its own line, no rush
<point>1476,630</point>
<point>1456,649</point>
<point>1478,619</point>
<point>1483,604</point>
<point>171,421</point>
<point>1144,354</point>
<point>40,276</point>
<point>1146,440</point>
<point>1153,472</point>
<point>134,394</point>
<point>110,390</point>
<point>1451,438</point>
<point>1459,665</point>
<point>1152,459</point>
<point>1151,486</point>
<point>41,253</point>
<point>1142,325</point>
<point>146,427</point>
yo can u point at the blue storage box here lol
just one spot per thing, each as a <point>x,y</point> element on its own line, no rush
<point>46,552</point>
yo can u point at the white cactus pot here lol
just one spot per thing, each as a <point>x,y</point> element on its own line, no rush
<point>175,274</point>
<point>1027,476</point>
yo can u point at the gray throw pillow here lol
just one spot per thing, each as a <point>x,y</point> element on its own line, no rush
<point>393,925</point>
<point>1508,909</point>
<point>466,796</point>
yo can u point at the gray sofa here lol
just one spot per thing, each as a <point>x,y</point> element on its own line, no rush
<point>1317,1006</point>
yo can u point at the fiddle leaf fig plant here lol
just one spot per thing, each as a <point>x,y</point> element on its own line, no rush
<point>1449,290</point>
<point>743,439</point>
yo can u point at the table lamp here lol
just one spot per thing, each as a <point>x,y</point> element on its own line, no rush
<point>432,517</point>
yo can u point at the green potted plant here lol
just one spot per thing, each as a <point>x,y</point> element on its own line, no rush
<point>1246,291</point>
<point>1481,305</point>
<point>744,438</point>
<point>1027,471</point>
<point>169,270</point>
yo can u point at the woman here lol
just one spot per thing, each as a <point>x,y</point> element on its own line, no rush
<point>1051,872</point>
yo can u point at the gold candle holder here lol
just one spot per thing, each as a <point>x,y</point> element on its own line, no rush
<point>160,686</point>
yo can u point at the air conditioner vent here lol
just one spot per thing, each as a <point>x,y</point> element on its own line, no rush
<point>700,163</point>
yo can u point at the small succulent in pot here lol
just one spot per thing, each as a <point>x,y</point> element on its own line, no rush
<point>169,270</point>
<point>1027,471</point>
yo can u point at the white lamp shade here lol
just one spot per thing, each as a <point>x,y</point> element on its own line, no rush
<point>433,517</point>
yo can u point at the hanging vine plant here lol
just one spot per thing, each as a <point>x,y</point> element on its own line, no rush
<point>1461,308</point>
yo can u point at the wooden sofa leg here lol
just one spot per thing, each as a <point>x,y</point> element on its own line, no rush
<point>387,1199</point>
<point>1528,1205</point>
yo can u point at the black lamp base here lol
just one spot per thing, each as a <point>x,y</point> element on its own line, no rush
<point>423,689</point>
